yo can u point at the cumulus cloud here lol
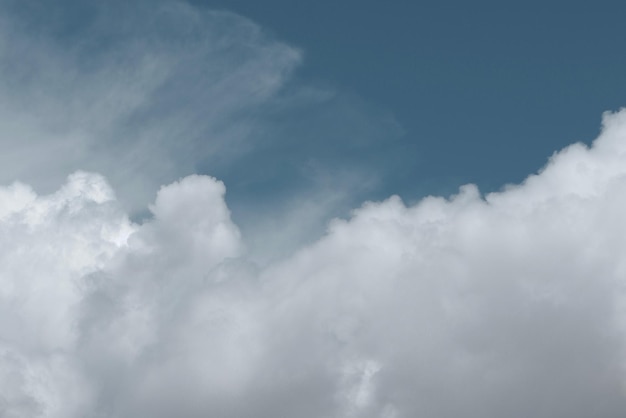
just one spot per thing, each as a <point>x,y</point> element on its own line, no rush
<point>508,304</point>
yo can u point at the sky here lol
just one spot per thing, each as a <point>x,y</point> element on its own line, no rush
<point>467,81</point>
<point>246,209</point>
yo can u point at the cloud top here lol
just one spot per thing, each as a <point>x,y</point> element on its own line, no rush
<point>509,304</point>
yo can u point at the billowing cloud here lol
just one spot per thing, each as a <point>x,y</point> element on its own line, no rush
<point>509,304</point>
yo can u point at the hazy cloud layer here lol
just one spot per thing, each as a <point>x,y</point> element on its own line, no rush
<point>511,304</point>
<point>143,92</point>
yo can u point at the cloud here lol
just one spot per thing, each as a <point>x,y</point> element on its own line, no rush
<point>151,91</point>
<point>508,304</point>
<point>142,92</point>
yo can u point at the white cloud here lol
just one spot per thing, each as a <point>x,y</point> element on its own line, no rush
<point>509,304</point>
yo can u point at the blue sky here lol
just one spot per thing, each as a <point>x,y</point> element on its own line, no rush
<point>342,209</point>
<point>483,91</point>
<point>478,92</point>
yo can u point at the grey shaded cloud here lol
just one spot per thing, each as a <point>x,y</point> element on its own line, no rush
<point>508,304</point>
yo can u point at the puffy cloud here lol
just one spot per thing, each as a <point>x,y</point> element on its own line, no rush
<point>509,304</point>
<point>50,244</point>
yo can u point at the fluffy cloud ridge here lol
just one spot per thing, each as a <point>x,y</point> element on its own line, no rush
<point>509,304</point>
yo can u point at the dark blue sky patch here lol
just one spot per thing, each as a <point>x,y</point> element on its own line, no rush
<point>484,91</point>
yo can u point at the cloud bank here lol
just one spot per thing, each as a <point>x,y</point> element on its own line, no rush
<point>509,304</point>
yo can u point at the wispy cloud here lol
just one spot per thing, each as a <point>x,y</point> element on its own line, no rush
<point>142,93</point>
<point>148,92</point>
